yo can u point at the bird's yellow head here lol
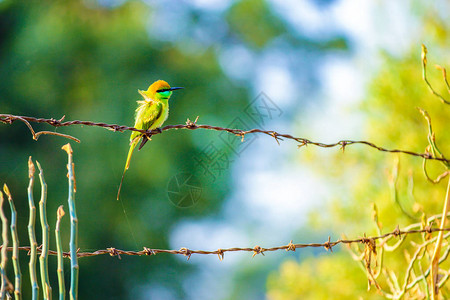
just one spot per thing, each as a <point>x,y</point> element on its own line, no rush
<point>158,90</point>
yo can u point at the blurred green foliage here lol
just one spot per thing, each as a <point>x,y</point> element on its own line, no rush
<point>85,61</point>
<point>324,277</point>
<point>254,22</point>
<point>362,177</point>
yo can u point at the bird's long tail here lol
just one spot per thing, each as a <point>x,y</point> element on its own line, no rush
<point>127,164</point>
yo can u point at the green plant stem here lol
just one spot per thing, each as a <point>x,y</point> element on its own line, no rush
<point>31,233</point>
<point>15,240</point>
<point>43,258</point>
<point>74,267</point>
<point>437,249</point>
<point>4,254</point>
<point>59,249</point>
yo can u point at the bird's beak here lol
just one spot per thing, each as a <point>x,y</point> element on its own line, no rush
<point>175,88</point>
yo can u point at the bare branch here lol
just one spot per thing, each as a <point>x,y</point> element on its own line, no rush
<point>58,134</point>
<point>424,76</point>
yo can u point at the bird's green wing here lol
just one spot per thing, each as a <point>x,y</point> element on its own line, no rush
<point>146,115</point>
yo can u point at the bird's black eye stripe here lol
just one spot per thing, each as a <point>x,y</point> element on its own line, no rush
<point>162,90</point>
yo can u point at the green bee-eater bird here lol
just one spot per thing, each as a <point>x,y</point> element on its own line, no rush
<point>150,114</point>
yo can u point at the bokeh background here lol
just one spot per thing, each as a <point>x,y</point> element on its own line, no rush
<point>324,70</point>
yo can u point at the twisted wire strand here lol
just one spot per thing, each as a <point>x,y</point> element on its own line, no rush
<point>9,119</point>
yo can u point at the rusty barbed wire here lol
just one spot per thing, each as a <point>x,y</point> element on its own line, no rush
<point>328,245</point>
<point>192,125</point>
